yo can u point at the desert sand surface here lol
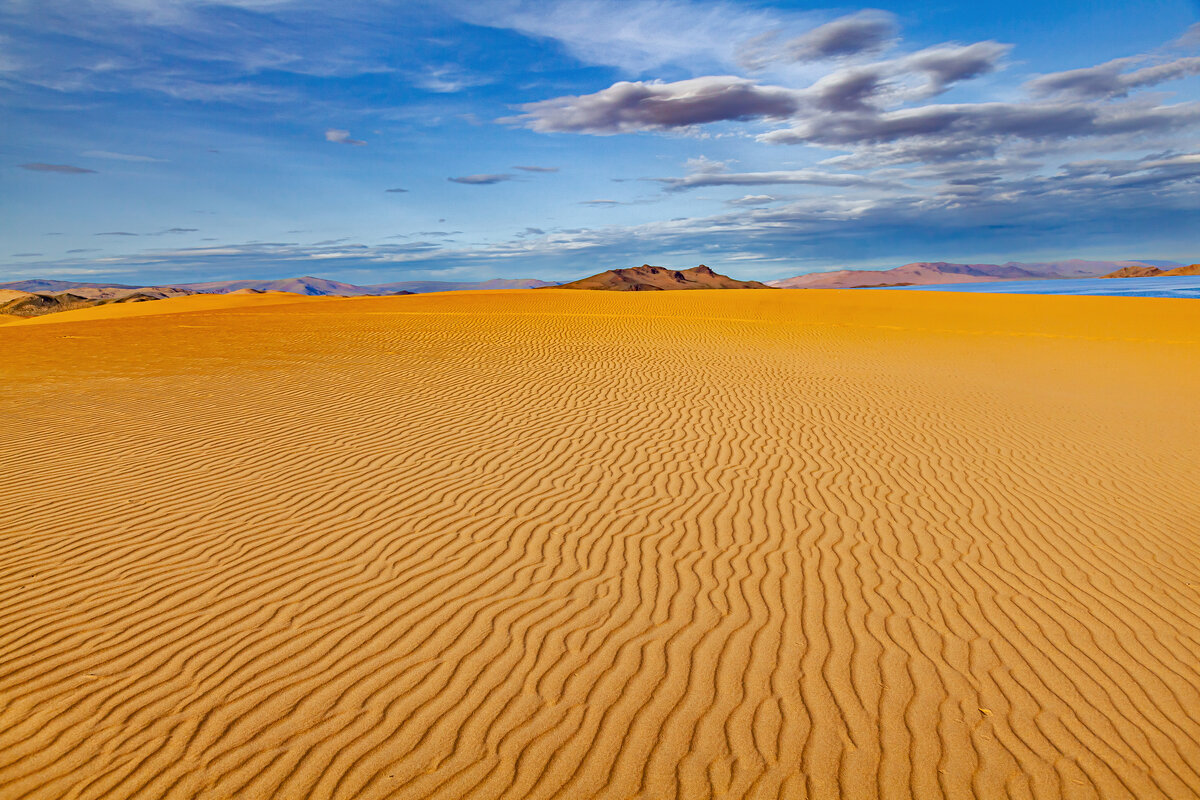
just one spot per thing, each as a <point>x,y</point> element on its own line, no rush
<point>557,544</point>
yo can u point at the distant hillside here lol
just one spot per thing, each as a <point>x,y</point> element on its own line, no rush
<point>634,279</point>
<point>16,303</point>
<point>1134,272</point>
<point>320,286</point>
<point>40,285</point>
<point>36,297</point>
<point>1154,272</point>
<point>655,279</point>
<point>303,285</point>
<point>423,287</point>
<point>937,272</point>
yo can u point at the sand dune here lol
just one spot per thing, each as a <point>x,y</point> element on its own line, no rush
<point>585,544</point>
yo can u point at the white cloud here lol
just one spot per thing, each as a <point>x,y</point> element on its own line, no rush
<point>634,35</point>
<point>121,156</point>
<point>338,136</point>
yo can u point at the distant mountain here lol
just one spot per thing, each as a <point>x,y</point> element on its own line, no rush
<point>38,296</point>
<point>320,286</point>
<point>302,285</point>
<point>40,285</point>
<point>1158,263</point>
<point>655,279</point>
<point>1134,272</point>
<point>423,287</point>
<point>121,292</point>
<point>937,272</point>
<point>1154,272</point>
<point>35,304</point>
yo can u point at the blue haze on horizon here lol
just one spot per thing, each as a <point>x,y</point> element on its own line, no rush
<point>166,141</point>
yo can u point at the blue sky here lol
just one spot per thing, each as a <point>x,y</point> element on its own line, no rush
<point>156,141</point>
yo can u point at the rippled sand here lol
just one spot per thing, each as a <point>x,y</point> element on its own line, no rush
<point>584,544</point>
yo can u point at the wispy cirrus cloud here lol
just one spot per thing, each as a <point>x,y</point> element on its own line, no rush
<point>122,157</point>
<point>637,35</point>
<point>1113,79</point>
<point>699,178</point>
<point>66,169</point>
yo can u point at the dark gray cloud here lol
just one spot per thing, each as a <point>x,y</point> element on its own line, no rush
<point>25,255</point>
<point>482,180</point>
<point>657,106</point>
<point>917,76</point>
<point>396,191</point>
<point>851,35</point>
<point>852,89</point>
<point>85,250</point>
<point>115,233</point>
<point>638,106</point>
<point>1111,79</point>
<point>948,64</point>
<point>1033,121</point>
<point>68,169</point>
<point>537,169</point>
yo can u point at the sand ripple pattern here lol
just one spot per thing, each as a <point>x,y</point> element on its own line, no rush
<point>583,545</point>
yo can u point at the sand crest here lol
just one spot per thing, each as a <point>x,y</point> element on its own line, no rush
<point>584,544</point>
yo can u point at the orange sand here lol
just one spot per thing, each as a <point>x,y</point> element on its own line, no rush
<point>580,544</point>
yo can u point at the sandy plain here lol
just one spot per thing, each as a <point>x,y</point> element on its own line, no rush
<point>583,544</point>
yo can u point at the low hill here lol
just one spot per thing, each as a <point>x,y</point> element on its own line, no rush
<point>130,308</point>
<point>44,286</point>
<point>656,279</point>
<point>1135,272</point>
<point>925,273</point>
<point>1154,272</point>
<point>1190,269</point>
<point>35,304</point>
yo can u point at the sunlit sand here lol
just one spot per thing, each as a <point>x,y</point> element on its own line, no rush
<point>584,544</point>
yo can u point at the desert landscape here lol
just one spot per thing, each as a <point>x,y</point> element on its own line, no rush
<point>553,543</point>
<point>599,400</point>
